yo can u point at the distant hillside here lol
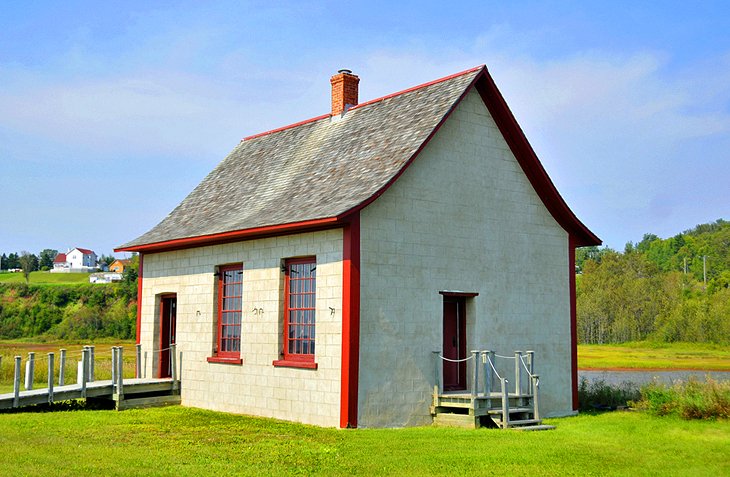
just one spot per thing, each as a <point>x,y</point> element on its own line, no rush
<point>75,311</point>
<point>656,289</point>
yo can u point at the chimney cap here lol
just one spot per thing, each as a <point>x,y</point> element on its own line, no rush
<point>345,70</point>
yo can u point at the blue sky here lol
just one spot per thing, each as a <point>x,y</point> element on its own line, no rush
<point>111,114</point>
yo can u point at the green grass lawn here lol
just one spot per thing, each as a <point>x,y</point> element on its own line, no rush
<point>645,355</point>
<point>182,441</point>
<point>45,278</point>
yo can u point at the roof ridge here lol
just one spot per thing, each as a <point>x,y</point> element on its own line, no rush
<point>366,103</point>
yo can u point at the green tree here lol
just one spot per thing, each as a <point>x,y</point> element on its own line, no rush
<point>46,257</point>
<point>106,260</point>
<point>588,253</point>
<point>12,261</point>
<point>29,263</point>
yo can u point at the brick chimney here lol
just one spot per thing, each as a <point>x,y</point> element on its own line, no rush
<point>344,91</point>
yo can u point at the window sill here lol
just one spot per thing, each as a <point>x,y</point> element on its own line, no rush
<point>287,363</point>
<point>218,359</point>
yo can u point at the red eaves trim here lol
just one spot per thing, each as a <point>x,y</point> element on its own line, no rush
<point>520,147</point>
<point>376,100</point>
<point>573,321</point>
<point>410,160</point>
<point>530,164</point>
<point>414,88</point>
<point>350,322</point>
<point>283,128</point>
<point>139,299</point>
<point>232,236</point>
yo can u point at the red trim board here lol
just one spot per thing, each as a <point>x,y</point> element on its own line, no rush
<point>350,322</point>
<point>573,321</point>
<point>139,296</point>
<point>233,236</point>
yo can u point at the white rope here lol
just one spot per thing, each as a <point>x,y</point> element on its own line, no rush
<point>504,357</point>
<point>456,360</point>
<point>493,368</point>
<point>160,350</point>
<point>524,365</point>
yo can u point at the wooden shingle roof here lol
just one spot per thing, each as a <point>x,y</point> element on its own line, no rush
<point>318,171</point>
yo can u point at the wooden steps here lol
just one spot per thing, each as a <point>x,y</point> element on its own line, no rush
<point>472,412</point>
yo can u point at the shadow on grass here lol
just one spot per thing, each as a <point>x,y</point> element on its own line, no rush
<point>70,405</point>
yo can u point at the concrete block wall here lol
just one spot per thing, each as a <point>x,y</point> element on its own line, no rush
<point>256,387</point>
<point>462,217</point>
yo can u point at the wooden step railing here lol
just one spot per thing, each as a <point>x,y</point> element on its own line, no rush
<point>480,385</point>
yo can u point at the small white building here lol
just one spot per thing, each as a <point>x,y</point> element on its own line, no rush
<point>75,260</point>
<point>317,273</point>
<point>105,277</point>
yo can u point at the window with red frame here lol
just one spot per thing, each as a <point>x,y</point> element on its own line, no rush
<point>299,309</point>
<point>230,305</point>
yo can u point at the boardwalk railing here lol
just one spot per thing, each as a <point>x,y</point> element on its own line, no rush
<point>86,375</point>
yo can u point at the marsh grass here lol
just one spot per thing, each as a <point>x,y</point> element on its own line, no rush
<point>655,356</point>
<point>691,399</point>
<point>601,396</point>
<point>650,355</point>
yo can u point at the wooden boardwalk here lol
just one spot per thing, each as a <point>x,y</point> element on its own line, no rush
<point>124,392</point>
<point>136,392</point>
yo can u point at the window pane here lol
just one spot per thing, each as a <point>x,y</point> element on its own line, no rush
<point>230,303</point>
<point>300,313</point>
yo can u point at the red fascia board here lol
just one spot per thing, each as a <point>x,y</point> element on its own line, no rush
<point>290,126</point>
<point>529,162</point>
<point>233,236</point>
<point>414,88</point>
<point>372,101</point>
<point>140,277</point>
<point>520,147</point>
<point>410,160</point>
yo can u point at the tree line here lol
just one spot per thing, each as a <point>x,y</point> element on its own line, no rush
<point>665,290</point>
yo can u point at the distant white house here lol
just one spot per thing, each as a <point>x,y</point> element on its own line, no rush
<point>75,260</point>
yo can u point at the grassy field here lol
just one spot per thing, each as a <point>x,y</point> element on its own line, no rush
<point>45,278</point>
<point>102,352</point>
<point>179,441</point>
<point>655,356</point>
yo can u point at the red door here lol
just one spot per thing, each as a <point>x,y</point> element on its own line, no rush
<point>168,318</point>
<point>454,344</point>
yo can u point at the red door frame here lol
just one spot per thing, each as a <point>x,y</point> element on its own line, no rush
<point>168,328</point>
<point>454,343</point>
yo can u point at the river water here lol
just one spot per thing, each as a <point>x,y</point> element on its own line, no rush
<point>642,377</point>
